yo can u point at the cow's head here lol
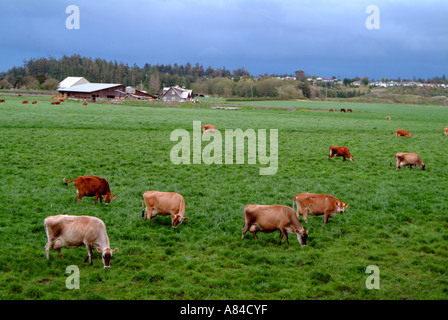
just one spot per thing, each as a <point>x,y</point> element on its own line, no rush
<point>177,220</point>
<point>302,235</point>
<point>423,166</point>
<point>340,206</point>
<point>108,197</point>
<point>106,255</point>
<point>351,158</point>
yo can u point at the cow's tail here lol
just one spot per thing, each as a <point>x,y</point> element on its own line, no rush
<point>390,163</point>
<point>143,207</point>
<point>67,182</point>
<point>182,207</point>
<point>294,203</point>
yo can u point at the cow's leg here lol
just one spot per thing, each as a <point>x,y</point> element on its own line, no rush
<point>96,198</point>
<point>326,217</point>
<point>343,157</point>
<point>243,232</point>
<point>305,215</point>
<point>47,248</point>
<point>57,245</point>
<point>283,232</point>
<point>89,254</point>
<point>254,229</point>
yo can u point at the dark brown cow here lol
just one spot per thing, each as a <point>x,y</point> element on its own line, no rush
<point>89,186</point>
<point>2,100</point>
<point>74,231</point>
<point>270,218</point>
<point>340,151</point>
<point>349,110</point>
<point>163,204</point>
<point>315,204</point>
<point>342,110</point>
<point>208,128</point>
<point>402,133</point>
<point>25,101</point>
<point>56,102</point>
<point>34,102</point>
<point>408,159</point>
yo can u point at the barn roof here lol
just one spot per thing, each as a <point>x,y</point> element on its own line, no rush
<point>91,87</point>
<point>72,81</point>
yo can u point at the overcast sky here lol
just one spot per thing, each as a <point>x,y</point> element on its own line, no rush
<point>323,38</point>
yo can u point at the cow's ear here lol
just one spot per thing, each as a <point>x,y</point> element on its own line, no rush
<point>346,205</point>
<point>98,249</point>
<point>115,250</point>
<point>113,197</point>
<point>185,218</point>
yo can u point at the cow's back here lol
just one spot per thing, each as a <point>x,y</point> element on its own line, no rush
<point>74,228</point>
<point>268,216</point>
<point>92,185</point>
<point>164,202</point>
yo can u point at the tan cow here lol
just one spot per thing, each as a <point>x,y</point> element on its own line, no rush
<point>208,128</point>
<point>445,131</point>
<point>162,204</point>
<point>316,204</point>
<point>408,159</point>
<point>74,231</point>
<point>340,152</point>
<point>269,218</point>
<point>402,133</point>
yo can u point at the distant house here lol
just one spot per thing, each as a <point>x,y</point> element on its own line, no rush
<point>72,88</point>
<point>177,94</point>
<point>72,81</point>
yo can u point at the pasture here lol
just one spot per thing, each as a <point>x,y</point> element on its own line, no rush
<point>396,221</point>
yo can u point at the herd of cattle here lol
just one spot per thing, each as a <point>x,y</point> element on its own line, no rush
<point>74,231</point>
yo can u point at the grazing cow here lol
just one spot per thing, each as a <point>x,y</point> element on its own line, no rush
<point>162,204</point>
<point>25,101</point>
<point>34,102</point>
<point>340,152</point>
<point>408,159</point>
<point>342,110</point>
<point>331,110</point>
<point>56,102</point>
<point>270,218</point>
<point>445,131</point>
<point>387,118</point>
<point>402,133</point>
<point>19,95</point>
<point>317,204</point>
<point>208,128</point>
<point>89,186</point>
<point>74,231</point>
<point>61,100</point>
<point>85,103</point>
<point>349,110</point>
<point>2,100</point>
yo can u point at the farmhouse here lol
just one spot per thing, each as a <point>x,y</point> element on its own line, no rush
<point>80,88</point>
<point>177,94</point>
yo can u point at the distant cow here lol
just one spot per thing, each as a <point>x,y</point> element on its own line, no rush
<point>402,133</point>
<point>74,231</point>
<point>61,100</point>
<point>34,102</point>
<point>85,103</point>
<point>208,128</point>
<point>340,151</point>
<point>89,186</point>
<point>331,110</point>
<point>342,110</point>
<point>56,102</point>
<point>349,110</point>
<point>270,218</point>
<point>387,118</point>
<point>162,204</point>
<point>25,102</point>
<point>408,159</point>
<point>317,204</point>
<point>445,131</point>
<point>2,100</point>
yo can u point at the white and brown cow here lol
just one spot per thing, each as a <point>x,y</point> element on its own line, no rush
<point>316,204</point>
<point>408,159</point>
<point>269,218</point>
<point>208,128</point>
<point>162,204</point>
<point>74,231</point>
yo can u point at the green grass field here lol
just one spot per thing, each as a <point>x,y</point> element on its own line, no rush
<point>396,221</point>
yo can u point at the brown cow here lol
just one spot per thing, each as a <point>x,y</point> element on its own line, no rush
<point>25,101</point>
<point>408,159</point>
<point>2,100</point>
<point>340,152</point>
<point>85,103</point>
<point>349,110</point>
<point>74,231</point>
<point>270,218</point>
<point>342,110</point>
<point>387,118</point>
<point>402,133</point>
<point>208,128</point>
<point>445,131</point>
<point>317,204</point>
<point>34,102</point>
<point>56,102</point>
<point>89,186</point>
<point>162,204</point>
<point>331,110</point>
